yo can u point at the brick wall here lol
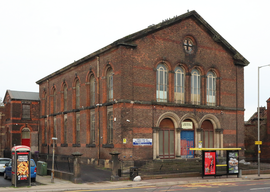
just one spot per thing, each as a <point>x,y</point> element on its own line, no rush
<point>135,109</point>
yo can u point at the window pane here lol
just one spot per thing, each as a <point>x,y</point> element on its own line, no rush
<point>25,134</point>
<point>26,111</point>
<point>211,139</point>
<point>171,142</point>
<point>65,98</point>
<point>160,142</point>
<point>206,139</point>
<point>166,142</point>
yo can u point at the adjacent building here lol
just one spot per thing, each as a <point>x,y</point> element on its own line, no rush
<point>150,95</point>
<point>19,120</point>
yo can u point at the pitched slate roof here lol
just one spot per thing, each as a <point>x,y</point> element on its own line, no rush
<point>128,41</point>
<point>23,95</point>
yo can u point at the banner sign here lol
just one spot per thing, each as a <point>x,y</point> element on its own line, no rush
<point>187,125</point>
<point>232,162</point>
<point>209,163</point>
<point>142,142</point>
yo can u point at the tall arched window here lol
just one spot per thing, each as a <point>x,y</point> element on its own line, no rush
<point>166,139</point>
<point>195,87</point>
<point>78,128</point>
<point>92,90</point>
<point>179,85</point>
<point>45,103</point>
<point>92,127</point>
<point>110,128</point>
<point>162,83</point>
<point>54,100</point>
<point>208,134</point>
<point>211,89</point>
<point>77,89</point>
<point>110,84</point>
<point>65,97</point>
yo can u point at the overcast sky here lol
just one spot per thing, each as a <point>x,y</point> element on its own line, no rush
<point>40,37</point>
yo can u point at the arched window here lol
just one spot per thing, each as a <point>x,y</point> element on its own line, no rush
<point>78,128</point>
<point>65,97</point>
<point>77,90</point>
<point>195,87</point>
<point>45,131</point>
<point>162,83</point>
<point>166,139</point>
<point>110,128</point>
<point>110,84</point>
<point>54,100</point>
<point>208,134</point>
<point>211,89</point>
<point>65,129</point>
<point>179,85</point>
<point>45,103</point>
<point>92,90</point>
<point>92,127</point>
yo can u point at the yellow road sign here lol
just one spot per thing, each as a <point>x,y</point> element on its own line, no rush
<point>258,142</point>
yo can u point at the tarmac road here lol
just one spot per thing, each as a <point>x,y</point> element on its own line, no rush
<point>239,186</point>
<point>4,182</point>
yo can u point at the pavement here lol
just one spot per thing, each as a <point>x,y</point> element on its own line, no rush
<point>44,183</point>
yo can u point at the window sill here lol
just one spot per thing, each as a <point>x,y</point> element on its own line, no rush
<point>76,145</point>
<point>108,146</point>
<point>90,145</point>
<point>64,145</point>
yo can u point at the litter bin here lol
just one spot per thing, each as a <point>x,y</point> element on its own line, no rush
<point>133,172</point>
<point>41,168</point>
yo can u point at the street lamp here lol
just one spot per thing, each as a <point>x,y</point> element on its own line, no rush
<point>52,173</point>
<point>259,150</point>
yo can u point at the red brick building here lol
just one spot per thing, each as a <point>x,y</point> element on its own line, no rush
<point>150,95</point>
<point>19,120</point>
<point>251,134</point>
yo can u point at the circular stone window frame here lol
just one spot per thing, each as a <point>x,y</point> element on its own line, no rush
<point>189,44</point>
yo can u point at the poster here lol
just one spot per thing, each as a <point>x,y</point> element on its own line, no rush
<point>209,163</point>
<point>22,167</point>
<point>232,162</point>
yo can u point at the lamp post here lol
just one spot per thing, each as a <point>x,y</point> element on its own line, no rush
<point>52,173</point>
<point>259,150</point>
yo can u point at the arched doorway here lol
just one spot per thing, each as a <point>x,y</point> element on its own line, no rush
<point>166,139</point>
<point>187,139</point>
<point>26,137</point>
<point>207,134</point>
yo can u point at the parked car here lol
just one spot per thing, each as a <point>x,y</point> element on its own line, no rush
<point>3,162</point>
<point>33,170</point>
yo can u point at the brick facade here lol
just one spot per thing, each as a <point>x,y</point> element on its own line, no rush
<point>136,111</point>
<point>15,126</point>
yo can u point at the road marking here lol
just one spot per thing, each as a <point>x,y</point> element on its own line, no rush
<point>263,188</point>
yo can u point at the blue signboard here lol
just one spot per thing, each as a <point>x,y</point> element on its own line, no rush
<point>142,142</point>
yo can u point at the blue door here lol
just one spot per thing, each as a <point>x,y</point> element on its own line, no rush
<point>187,142</point>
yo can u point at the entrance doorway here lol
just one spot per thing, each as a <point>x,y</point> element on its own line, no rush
<point>187,142</point>
<point>26,137</point>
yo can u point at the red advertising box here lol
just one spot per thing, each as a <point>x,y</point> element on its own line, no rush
<point>209,163</point>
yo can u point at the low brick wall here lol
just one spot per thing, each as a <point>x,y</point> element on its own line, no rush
<point>62,175</point>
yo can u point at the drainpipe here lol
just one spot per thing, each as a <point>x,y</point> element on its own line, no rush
<point>236,107</point>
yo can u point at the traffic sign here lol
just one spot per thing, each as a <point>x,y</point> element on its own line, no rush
<point>258,142</point>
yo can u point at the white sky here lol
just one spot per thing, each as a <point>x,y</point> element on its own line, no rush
<point>39,37</point>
